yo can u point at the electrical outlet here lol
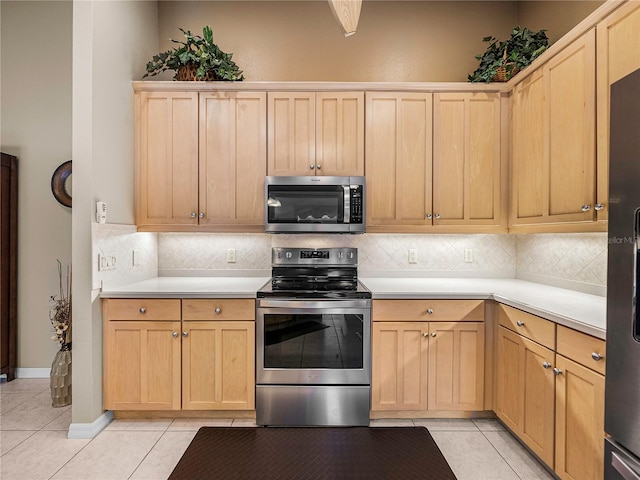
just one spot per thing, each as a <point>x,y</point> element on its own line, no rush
<point>106,261</point>
<point>468,255</point>
<point>136,258</point>
<point>231,255</point>
<point>413,255</point>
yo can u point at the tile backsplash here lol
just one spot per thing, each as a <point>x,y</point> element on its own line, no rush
<point>577,261</point>
<point>122,240</point>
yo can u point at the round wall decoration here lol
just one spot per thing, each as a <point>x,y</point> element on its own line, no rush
<point>61,184</point>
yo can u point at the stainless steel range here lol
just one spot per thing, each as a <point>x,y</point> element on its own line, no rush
<point>313,336</point>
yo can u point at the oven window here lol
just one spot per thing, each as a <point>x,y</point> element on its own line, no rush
<point>295,204</point>
<point>313,341</point>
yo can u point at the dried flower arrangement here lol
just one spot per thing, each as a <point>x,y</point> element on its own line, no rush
<point>60,312</point>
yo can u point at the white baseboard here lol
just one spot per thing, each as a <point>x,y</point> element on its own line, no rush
<point>90,430</point>
<point>33,372</point>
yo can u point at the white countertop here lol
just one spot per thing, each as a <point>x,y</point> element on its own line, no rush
<point>580,311</point>
<point>189,287</point>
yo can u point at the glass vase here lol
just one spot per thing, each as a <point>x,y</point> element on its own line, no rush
<point>61,377</point>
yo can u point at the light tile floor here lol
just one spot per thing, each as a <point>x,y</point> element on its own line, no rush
<point>34,443</point>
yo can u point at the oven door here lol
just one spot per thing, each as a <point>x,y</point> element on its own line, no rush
<point>313,342</point>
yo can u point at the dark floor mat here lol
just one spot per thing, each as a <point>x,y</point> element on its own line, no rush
<point>312,454</point>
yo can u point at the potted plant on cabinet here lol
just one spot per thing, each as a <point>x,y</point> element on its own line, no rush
<point>196,58</point>
<point>502,60</point>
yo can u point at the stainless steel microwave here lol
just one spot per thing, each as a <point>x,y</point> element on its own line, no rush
<point>314,204</point>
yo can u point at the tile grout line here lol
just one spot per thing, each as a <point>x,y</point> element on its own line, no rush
<point>151,449</point>
<point>500,454</point>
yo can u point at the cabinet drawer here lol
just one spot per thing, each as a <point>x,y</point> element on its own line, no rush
<point>218,309</point>
<point>530,326</point>
<point>582,348</point>
<point>432,310</point>
<point>142,309</point>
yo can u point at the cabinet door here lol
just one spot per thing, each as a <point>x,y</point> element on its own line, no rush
<point>399,154</point>
<point>456,366</point>
<point>233,160</point>
<point>340,133</point>
<point>291,133</point>
<point>579,422</point>
<point>142,365</point>
<point>615,34</point>
<point>553,179</point>
<point>571,77</point>
<point>218,361</point>
<point>399,366</point>
<point>166,153</point>
<point>466,159</point>
<point>525,391</point>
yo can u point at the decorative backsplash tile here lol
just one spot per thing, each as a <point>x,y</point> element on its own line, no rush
<point>570,257</point>
<point>122,240</point>
<point>437,255</point>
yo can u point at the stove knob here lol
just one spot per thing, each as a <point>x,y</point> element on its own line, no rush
<point>340,255</point>
<point>288,255</point>
<point>279,254</point>
<point>350,255</point>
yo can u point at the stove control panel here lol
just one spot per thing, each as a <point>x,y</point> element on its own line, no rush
<point>314,256</point>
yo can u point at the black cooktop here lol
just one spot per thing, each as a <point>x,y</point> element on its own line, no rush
<point>310,291</point>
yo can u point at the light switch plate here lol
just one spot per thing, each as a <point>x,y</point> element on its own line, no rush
<point>413,255</point>
<point>468,255</point>
<point>231,255</point>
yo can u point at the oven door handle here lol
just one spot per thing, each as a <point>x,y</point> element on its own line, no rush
<point>316,305</point>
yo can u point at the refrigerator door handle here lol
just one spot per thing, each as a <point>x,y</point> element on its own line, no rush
<point>622,468</point>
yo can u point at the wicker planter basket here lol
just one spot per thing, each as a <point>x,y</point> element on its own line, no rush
<point>503,75</point>
<point>187,73</point>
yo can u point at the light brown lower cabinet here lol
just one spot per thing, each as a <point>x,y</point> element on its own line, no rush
<point>169,363</point>
<point>427,366</point>
<point>553,403</point>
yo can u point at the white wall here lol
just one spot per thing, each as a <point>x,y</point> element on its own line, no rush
<point>36,127</point>
<point>112,41</point>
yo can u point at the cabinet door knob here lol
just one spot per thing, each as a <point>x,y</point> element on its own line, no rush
<point>437,215</point>
<point>599,206</point>
<point>557,371</point>
<point>586,208</point>
<point>429,311</point>
<point>520,323</point>
<point>429,216</point>
<point>433,334</point>
<point>546,365</point>
<point>143,310</point>
<point>318,166</point>
<point>425,334</point>
<point>218,310</point>
<point>312,166</point>
<point>201,215</point>
<point>596,356</point>
<point>184,334</point>
<point>193,214</point>
<point>175,334</point>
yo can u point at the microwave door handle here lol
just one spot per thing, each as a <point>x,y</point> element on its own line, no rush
<point>347,204</point>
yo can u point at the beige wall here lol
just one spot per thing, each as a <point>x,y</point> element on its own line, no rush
<point>555,17</point>
<point>36,127</point>
<point>300,40</point>
<point>115,39</point>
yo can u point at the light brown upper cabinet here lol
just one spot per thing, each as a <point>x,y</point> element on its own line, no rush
<point>616,35</point>
<point>554,164</point>
<point>200,161</point>
<point>467,161</point>
<point>399,151</point>
<point>315,133</point>
<point>434,162</point>
<point>166,158</point>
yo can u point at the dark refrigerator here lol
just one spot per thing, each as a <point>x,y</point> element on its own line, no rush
<point>622,390</point>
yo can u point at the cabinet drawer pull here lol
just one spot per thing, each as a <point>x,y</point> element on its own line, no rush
<point>596,356</point>
<point>429,311</point>
<point>599,206</point>
<point>557,371</point>
<point>546,365</point>
<point>586,208</point>
<point>184,334</point>
<point>143,310</point>
<point>175,334</point>
<point>218,310</point>
<point>520,323</point>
